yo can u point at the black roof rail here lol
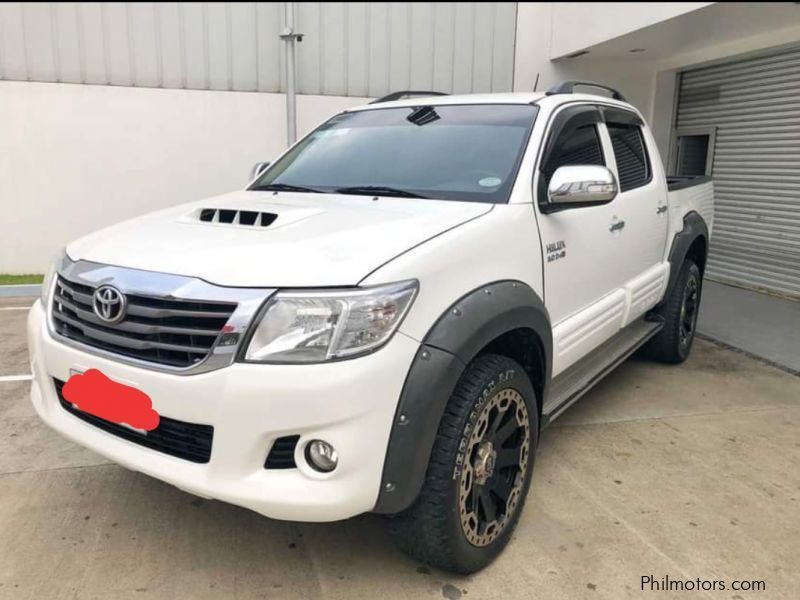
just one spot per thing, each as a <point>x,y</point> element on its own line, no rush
<point>406,94</point>
<point>568,87</point>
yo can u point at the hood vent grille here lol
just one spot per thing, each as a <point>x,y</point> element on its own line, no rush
<point>228,216</point>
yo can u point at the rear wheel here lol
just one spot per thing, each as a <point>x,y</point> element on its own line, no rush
<point>479,472</point>
<point>674,342</point>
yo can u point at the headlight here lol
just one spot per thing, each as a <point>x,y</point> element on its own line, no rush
<point>309,327</point>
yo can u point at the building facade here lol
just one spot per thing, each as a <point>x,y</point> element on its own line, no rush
<point>109,110</point>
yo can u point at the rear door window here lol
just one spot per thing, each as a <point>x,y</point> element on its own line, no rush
<point>633,165</point>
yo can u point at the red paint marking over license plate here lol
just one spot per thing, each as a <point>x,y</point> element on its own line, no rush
<point>94,393</point>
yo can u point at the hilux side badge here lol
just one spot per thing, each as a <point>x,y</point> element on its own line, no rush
<point>556,250</point>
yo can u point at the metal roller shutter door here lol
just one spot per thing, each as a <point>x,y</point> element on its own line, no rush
<point>755,106</point>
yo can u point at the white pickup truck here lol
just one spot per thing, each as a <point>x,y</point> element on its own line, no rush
<point>386,318</point>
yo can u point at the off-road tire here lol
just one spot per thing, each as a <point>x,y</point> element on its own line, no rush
<point>673,343</point>
<point>431,530</point>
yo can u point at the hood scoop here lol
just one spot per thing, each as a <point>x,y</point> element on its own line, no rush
<point>317,240</point>
<point>229,216</point>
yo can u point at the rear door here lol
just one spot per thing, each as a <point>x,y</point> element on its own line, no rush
<point>642,209</point>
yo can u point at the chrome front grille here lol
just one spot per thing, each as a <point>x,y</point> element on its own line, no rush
<point>169,332</point>
<point>170,322</point>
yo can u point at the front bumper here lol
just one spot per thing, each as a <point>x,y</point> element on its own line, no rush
<point>350,404</point>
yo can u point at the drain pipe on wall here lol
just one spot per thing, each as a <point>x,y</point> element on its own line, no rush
<point>289,36</point>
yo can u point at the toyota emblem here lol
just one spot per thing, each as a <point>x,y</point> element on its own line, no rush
<point>109,304</point>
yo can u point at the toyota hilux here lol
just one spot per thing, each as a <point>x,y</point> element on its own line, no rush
<point>386,318</point>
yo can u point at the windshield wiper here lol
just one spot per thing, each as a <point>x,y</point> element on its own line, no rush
<point>378,190</point>
<point>284,187</point>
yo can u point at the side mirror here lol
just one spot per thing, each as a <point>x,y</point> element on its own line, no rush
<point>258,169</point>
<point>583,184</point>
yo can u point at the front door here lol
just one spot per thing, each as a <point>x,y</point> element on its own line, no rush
<point>586,262</point>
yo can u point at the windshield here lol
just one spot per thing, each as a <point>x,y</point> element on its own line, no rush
<point>456,152</point>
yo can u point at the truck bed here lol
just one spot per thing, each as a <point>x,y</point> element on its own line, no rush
<point>690,194</point>
<point>676,182</point>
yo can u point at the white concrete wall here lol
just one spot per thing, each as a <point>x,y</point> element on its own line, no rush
<point>677,35</point>
<point>635,78</point>
<point>578,25</point>
<point>74,158</point>
<point>662,116</point>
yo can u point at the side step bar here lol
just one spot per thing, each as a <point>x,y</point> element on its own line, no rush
<point>573,383</point>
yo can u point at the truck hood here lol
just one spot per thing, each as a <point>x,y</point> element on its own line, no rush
<point>256,239</point>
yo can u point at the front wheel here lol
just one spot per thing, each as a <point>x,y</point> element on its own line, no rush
<point>479,472</point>
<point>674,342</point>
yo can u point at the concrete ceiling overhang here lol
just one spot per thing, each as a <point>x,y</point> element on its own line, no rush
<point>717,25</point>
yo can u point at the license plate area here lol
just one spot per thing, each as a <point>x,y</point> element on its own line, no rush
<point>188,441</point>
<point>93,392</point>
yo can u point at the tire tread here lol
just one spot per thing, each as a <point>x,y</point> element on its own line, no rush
<point>664,346</point>
<point>421,530</point>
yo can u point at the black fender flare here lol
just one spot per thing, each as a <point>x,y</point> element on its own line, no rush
<point>694,226</point>
<point>468,325</point>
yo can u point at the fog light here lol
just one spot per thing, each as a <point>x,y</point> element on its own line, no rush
<point>321,455</point>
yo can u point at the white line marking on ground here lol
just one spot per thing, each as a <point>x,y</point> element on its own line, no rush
<point>16,378</point>
<point>15,307</point>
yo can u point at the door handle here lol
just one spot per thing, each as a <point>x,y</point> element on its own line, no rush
<point>616,226</point>
<point>661,209</point>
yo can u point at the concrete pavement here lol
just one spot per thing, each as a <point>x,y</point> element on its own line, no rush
<point>22,290</point>
<point>689,471</point>
<point>765,326</point>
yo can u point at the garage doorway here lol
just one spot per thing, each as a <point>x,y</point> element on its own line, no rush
<point>740,122</point>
